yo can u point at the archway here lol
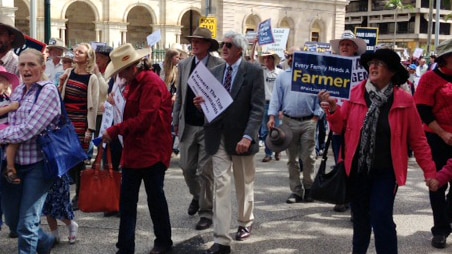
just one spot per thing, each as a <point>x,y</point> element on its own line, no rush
<point>252,23</point>
<point>288,23</point>
<point>189,22</point>
<point>80,25</point>
<point>139,26</point>
<point>22,16</point>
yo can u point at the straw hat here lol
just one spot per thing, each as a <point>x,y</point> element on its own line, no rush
<point>123,57</point>
<point>206,34</point>
<point>57,43</point>
<point>349,35</point>
<point>8,23</point>
<point>12,78</point>
<point>275,56</point>
<point>279,138</point>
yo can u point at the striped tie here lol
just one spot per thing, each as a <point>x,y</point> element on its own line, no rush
<point>228,79</point>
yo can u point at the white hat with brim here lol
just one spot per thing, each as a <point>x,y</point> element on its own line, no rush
<point>123,57</point>
<point>57,43</point>
<point>349,35</point>
<point>8,23</point>
<point>279,138</point>
<point>275,56</point>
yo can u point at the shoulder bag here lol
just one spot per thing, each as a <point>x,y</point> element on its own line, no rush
<point>330,187</point>
<point>60,145</point>
<point>100,189</point>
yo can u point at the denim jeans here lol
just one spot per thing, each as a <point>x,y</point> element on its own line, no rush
<point>372,199</point>
<point>23,203</point>
<point>153,178</point>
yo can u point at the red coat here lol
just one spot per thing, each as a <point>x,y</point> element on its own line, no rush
<point>445,174</point>
<point>406,130</point>
<point>146,125</point>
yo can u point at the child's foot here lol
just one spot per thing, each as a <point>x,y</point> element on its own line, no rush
<point>11,176</point>
<point>73,229</point>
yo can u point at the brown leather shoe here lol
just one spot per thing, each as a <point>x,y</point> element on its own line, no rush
<point>218,249</point>
<point>203,223</point>
<point>267,159</point>
<point>243,233</point>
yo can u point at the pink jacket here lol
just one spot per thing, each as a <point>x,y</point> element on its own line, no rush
<point>406,130</point>
<point>445,174</point>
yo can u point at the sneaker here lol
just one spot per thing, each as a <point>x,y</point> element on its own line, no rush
<point>439,241</point>
<point>73,230</point>
<point>294,198</point>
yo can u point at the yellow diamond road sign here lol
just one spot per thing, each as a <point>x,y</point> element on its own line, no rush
<point>209,23</point>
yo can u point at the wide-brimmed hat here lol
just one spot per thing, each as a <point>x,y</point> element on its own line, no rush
<point>275,57</point>
<point>104,50</point>
<point>392,61</point>
<point>206,34</point>
<point>279,138</point>
<point>444,48</point>
<point>7,22</point>
<point>57,43</point>
<point>123,57</point>
<point>349,35</point>
<point>12,78</point>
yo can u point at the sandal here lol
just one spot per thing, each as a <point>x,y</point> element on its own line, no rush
<point>11,176</point>
<point>73,229</point>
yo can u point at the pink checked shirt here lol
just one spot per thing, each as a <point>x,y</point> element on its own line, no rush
<point>31,119</point>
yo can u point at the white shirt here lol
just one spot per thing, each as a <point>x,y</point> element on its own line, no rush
<point>269,79</point>
<point>53,71</point>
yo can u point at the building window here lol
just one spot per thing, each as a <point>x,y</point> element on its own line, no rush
<point>315,36</point>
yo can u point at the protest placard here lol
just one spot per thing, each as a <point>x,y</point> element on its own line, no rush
<point>204,84</point>
<point>153,38</point>
<point>369,35</point>
<point>279,46</point>
<point>313,72</point>
<point>265,33</point>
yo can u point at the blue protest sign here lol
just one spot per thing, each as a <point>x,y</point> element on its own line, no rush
<point>313,72</point>
<point>265,33</point>
<point>369,35</point>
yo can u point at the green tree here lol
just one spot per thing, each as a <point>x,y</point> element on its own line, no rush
<point>397,5</point>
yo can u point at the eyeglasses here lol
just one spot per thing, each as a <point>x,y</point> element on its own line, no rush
<point>377,63</point>
<point>227,44</point>
<point>288,56</point>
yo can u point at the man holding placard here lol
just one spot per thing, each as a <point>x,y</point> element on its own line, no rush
<point>188,124</point>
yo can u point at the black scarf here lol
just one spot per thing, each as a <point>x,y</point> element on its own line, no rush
<point>368,134</point>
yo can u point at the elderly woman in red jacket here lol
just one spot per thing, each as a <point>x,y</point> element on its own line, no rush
<point>380,122</point>
<point>146,129</point>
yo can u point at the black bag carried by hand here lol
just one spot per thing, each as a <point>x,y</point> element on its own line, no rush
<point>330,187</point>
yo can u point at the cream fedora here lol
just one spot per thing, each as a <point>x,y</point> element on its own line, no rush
<point>8,23</point>
<point>123,57</point>
<point>275,56</point>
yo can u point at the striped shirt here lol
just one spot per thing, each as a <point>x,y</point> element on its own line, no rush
<point>31,119</point>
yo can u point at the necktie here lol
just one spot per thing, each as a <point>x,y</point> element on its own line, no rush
<point>228,79</point>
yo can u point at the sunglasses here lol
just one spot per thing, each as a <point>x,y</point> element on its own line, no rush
<point>287,56</point>
<point>227,44</point>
